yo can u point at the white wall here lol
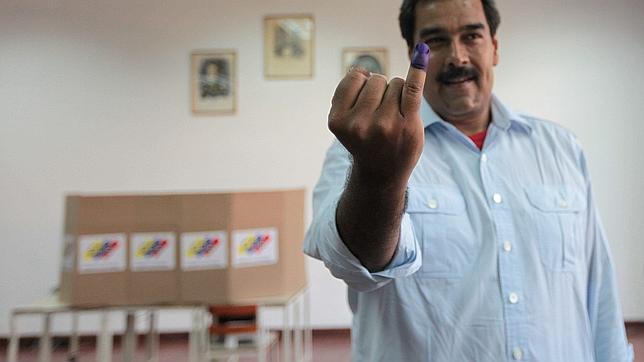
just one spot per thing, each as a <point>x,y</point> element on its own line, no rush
<point>94,98</point>
<point>578,63</point>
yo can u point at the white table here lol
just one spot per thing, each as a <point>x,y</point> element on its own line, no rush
<point>51,306</point>
<point>296,323</point>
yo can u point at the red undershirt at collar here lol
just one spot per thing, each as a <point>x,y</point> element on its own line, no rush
<point>479,138</point>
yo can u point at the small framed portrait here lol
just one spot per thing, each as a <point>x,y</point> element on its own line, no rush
<point>288,46</point>
<point>213,81</point>
<point>375,60</point>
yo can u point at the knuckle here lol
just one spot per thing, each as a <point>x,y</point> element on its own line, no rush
<point>360,131</point>
<point>378,83</point>
<point>373,92</point>
<point>378,78</point>
<point>385,124</point>
<point>384,129</point>
<point>397,82</point>
<point>337,96</point>
<point>413,88</point>
<point>336,121</point>
<point>356,76</point>
<point>411,132</point>
<point>360,70</point>
<point>389,109</point>
<point>368,99</point>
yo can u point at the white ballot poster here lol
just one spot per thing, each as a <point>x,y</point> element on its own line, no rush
<point>204,250</point>
<point>101,253</point>
<point>254,247</point>
<point>152,251</point>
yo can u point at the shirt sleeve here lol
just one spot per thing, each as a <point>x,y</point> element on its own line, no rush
<point>604,311</point>
<point>323,241</point>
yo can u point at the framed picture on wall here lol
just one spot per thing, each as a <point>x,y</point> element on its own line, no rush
<point>375,60</point>
<point>213,81</point>
<point>288,46</point>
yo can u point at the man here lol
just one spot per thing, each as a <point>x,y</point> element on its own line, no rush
<point>464,231</point>
<point>214,80</point>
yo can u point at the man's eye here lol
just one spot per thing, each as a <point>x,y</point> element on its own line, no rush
<point>473,36</point>
<point>434,41</point>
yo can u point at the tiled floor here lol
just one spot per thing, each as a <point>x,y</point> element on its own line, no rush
<point>635,334</point>
<point>331,346</point>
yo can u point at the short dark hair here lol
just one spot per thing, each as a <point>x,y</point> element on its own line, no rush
<point>407,18</point>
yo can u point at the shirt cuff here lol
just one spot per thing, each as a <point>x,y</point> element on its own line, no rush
<point>324,243</point>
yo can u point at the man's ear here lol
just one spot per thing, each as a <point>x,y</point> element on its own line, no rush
<point>495,43</point>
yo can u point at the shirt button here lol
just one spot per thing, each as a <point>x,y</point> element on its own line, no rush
<point>432,204</point>
<point>507,246</point>
<point>484,157</point>
<point>517,353</point>
<point>497,198</point>
<point>514,298</point>
<point>563,204</point>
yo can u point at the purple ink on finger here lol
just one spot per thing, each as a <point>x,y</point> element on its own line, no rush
<point>420,57</point>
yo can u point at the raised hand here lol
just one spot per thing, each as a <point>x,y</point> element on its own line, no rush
<point>379,123</point>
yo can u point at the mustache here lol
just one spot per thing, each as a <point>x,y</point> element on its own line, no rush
<point>455,73</point>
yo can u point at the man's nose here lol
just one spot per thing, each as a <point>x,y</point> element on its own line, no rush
<point>457,55</point>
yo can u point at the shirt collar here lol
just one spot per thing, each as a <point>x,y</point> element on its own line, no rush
<point>502,116</point>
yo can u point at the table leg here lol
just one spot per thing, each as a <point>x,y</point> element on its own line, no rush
<point>73,341</point>
<point>206,320</point>
<point>261,337</point>
<point>152,340</point>
<point>12,351</point>
<point>275,354</point>
<point>297,324</point>
<point>194,341</point>
<point>308,331</point>
<point>129,345</point>
<point>104,345</point>
<point>44,347</point>
<point>286,334</point>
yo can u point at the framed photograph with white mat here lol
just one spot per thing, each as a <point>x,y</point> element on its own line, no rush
<point>288,46</point>
<point>213,81</point>
<point>375,60</point>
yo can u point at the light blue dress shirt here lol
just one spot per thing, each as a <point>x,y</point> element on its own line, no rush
<point>501,257</point>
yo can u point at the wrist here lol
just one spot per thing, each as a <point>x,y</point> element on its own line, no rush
<point>378,180</point>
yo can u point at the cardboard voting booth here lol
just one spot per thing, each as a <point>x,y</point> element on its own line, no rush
<point>208,248</point>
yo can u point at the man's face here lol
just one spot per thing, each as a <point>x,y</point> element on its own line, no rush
<point>463,54</point>
<point>212,70</point>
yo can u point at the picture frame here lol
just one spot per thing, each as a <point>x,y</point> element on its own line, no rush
<point>289,46</point>
<point>213,81</point>
<point>375,60</point>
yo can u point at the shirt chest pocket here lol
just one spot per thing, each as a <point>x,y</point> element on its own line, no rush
<point>442,227</point>
<point>558,213</point>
